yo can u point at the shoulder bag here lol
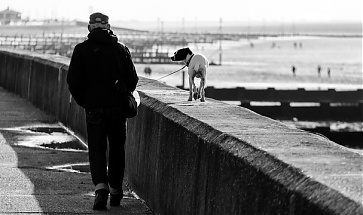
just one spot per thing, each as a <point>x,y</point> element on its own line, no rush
<point>128,102</point>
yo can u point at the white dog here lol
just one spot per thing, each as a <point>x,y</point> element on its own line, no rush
<point>197,68</point>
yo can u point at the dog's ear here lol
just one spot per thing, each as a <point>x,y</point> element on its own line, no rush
<point>189,51</point>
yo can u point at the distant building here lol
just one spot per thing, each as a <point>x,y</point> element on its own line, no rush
<point>7,16</point>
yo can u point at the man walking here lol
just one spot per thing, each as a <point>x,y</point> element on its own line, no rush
<point>95,65</point>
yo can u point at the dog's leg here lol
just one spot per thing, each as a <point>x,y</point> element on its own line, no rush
<point>195,90</point>
<point>202,93</point>
<point>199,89</point>
<point>203,73</point>
<point>190,88</point>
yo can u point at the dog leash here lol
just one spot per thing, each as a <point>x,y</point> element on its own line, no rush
<point>161,77</point>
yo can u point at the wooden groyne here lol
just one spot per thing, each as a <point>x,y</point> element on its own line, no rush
<point>60,38</point>
<point>300,103</point>
<point>63,45</point>
<point>273,95</point>
<point>146,47</point>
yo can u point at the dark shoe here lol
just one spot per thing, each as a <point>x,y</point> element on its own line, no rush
<point>101,200</point>
<point>115,200</point>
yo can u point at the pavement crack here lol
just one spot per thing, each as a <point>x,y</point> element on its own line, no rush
<point>38,168</point>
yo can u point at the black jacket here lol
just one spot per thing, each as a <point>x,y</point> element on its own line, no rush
<point>95,65</point>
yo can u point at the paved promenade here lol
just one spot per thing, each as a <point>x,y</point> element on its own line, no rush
<point>29,183</point>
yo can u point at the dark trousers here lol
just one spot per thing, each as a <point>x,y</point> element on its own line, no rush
<point>106,125</point>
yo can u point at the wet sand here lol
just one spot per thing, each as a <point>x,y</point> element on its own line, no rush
<point>230,76</point>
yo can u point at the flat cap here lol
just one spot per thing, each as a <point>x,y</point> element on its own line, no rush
<point>98,18</point>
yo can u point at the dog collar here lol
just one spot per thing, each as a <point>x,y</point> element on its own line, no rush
<point>189,60</point>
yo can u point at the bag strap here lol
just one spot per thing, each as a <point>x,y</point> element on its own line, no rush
<point>120,77</point>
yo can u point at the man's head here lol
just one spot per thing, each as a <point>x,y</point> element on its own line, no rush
<point>98,20</point>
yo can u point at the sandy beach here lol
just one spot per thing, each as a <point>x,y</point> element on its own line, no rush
<point>268,63</point>
<point>231,76</point>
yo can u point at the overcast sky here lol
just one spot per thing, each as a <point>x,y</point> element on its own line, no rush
<point>192,10</point>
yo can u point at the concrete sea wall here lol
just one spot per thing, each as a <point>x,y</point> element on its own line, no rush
<point>205,158</point>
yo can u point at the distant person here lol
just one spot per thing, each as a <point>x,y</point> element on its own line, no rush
<point>95,66</point>
<point>293,68</point>
<point>319,71</point>
<point>329,72</point>
<point>147,70</point>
